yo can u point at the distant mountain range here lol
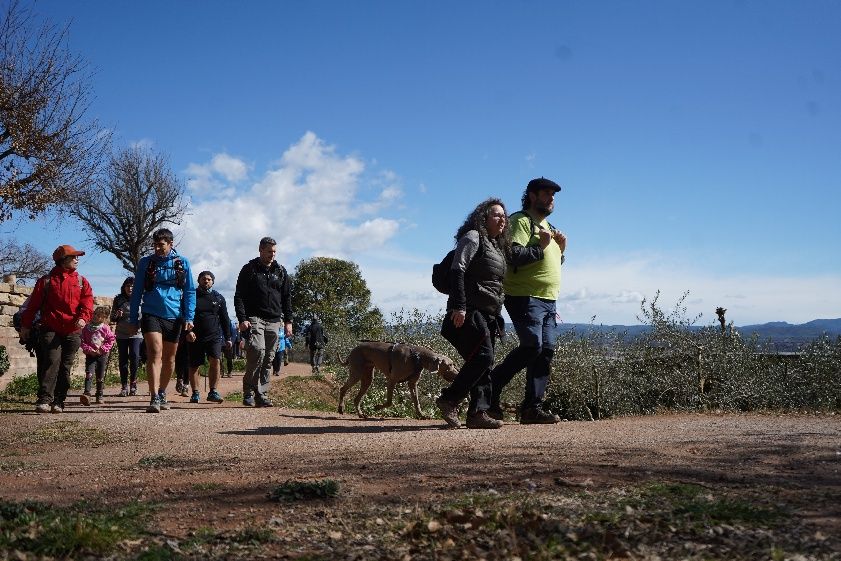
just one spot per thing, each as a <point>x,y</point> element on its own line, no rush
<point>784,336</point>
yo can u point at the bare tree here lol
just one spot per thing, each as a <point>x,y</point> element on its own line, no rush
<point>48,151</point>
<point>139,195</point>
<point>23,261</point>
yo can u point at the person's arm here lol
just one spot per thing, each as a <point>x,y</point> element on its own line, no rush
<point>84,311</point>
<point>109,341</point>
<point>286,302</point>
<point>239,295</point>
<point>521,236</point>
<point>36,299</point>
<point>87,348</point>
<point>224,320</point>
<point>188,297</point>
<point>466,249</point>
<point>115,308</point>
<point>137,292</point>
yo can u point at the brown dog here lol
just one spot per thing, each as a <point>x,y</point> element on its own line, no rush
<point>399,363</point>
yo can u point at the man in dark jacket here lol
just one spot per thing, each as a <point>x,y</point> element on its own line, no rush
<point>65,300</point>
<point>211,327</point>
<point>262,300</point>
<point>316,340</point>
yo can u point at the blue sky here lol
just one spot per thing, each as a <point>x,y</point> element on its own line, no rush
<point>698,143</point>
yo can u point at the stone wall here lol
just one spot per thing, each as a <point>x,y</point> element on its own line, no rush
<point>11,297</point>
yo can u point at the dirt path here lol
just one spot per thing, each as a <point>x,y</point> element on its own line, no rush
<point>219,461</point>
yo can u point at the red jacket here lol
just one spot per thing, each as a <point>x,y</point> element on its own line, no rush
<point>67,301</point>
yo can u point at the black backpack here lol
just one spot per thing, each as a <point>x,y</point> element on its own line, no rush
<point>441,273</point>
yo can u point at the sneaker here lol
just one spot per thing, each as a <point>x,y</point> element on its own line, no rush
<point>100,400</point>
<point>179,387</point>
<point>164,403</point>
<point>214,397</point>
<point>481,420</point>
<point>42,407</point>
<point>537,416</point>
<point>154,405</point>
<point>263,402</point>
<point>248,401</point>
<point>449,412</point>
<point>123,392</point>
<point>85,399</point>
<point>195,397</point>
<point>57,408</point>
<point>133,390</point>
<point>496,412</point>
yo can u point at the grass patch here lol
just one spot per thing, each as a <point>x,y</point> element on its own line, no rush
<point>313,393</point>
<point>159,461</point>
<point>22,386</point>
<point>291,491</point>
<point>69,432</point>
<point>206,486</point>
<point>68,532</point>
<point>234,396</point>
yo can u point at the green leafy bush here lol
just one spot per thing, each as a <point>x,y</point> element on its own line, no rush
<point>4,360</point>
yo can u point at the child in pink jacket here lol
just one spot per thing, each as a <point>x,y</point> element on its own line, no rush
<point>97,340</point>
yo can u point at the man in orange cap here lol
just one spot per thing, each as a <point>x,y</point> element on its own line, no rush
<point>65,300</point>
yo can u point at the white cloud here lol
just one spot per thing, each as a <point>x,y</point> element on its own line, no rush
<point>311,202</point>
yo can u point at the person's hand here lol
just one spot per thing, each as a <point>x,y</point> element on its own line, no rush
<point>80,323</point>
<point>229,345</point>
<point>560,239</point>
<point>244,325</point>
<point>545,237</point>
<point>458,317</point>
<point>188,326</point>
<point>191,337</point>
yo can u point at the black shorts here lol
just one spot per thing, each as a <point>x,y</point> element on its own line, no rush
<point>170,329</point>
<point>201,349</point>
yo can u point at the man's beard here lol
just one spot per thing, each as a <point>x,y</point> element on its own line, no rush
<point>544,210</point>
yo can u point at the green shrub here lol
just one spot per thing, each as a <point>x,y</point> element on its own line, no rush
<point>4,360</point>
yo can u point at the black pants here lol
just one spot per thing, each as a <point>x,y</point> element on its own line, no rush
<point>475,341</point>
<point>58,353</point>
<point>128,357</point>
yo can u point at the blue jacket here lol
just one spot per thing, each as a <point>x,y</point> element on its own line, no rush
<point>164,300</point>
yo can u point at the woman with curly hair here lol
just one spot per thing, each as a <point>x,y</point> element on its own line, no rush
<point>473,322</point>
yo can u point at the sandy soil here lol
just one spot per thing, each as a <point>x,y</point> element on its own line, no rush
<point>238,454</point>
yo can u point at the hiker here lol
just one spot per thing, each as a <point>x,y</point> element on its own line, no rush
<point>212,326</point>
<point>281,358</point>
<point>532,284</point>
<point>231,352</point>
<point>316,339</point>
<point>473,323</point>
<point>128,339</point>
<point>64,299</point>
<point>97,340</point>
<point>262,300</point>
<point>165,293</point>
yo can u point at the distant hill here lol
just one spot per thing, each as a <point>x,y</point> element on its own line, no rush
<point>784,336</point>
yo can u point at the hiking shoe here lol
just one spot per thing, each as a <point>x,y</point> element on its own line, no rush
<point>496,412</point>
<point>195,397</point>
<point>179,386</point>
<point>263,402</point>
<point>42,407</point>
<point>449,412</point>
<point>481,420</point>
<point>154,405</point>
<point>57,408</point>
<point>85,399</point>
<point>214,397</point>
<point>537,416</point>
<point>248,401</point>
<point>123,392</point>
<point>164,403</point>
<point>133,390</point>
<point>100,400</point>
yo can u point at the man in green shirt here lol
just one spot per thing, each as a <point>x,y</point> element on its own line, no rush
<point>531,287</point>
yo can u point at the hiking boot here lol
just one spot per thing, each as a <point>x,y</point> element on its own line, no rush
<point>133,390</point>
<point>537,416</point>
<point>449,412</point>
<point>248,401</point>
<point>123,392</point>
<point>195,397</point>
<point>263,402</point>
<point>481,420</point>
<point>42,407</point>
<point>85,399</point>
<point>496,412</point>
<point>99,399</point>
<point>214,397</point>
<point>164,403</point>
<point>57,408</point>
<point>179,386</point>
<point>154,405</point>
